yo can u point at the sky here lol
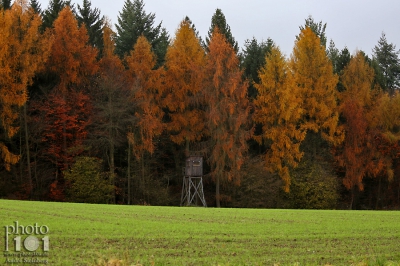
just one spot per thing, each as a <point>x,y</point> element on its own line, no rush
<point>355,24</point>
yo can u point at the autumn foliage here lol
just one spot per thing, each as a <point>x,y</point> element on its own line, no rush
<point>23,50</point>
<point>185,62</point>
<point>279,109</point>
<point>227,111</point>
<point>145,86</point>
<point>86,125</point>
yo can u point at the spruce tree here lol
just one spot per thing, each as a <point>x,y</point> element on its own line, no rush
<point>387,58</point>
<point>93,22</point>
<point>5,4</point>
<point>218,20</point>
<point>317,28</point>
<point>36,6</point>
<point>133,21</point>
<point>253,59</point>
<point>52,11</point>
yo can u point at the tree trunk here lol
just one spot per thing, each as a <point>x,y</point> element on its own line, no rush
<point>129,173</point>
<point>217,194</point>
<point>143,178</point>
<point>28,157</point>
<point>378,195</point>
<point>187,148</point>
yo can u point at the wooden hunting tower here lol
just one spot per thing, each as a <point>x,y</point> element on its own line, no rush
<point>192,189</point>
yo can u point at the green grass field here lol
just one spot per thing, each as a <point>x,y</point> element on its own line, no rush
<point>83,234</point>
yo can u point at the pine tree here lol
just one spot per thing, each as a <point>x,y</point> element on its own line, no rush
<point>389,64</point>
<point>5,4</point>
<point>93,22</point>
<point>218,20</point>
<point>52,11</point>
<point>254,55</point>
<point>36,6</point>
<point>317,28</point>
<point>133,22</point>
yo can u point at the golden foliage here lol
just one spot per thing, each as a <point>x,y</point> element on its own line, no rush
<point>279,110</point>
<point>185,61</point>
<point>22,52</point>
<point>314,76</point>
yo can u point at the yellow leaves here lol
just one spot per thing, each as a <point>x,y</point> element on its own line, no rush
<point>185,61</point>
<point>22,52</point>
<point>7,157</point>
<point>279,110</point>
<point>314,76</point>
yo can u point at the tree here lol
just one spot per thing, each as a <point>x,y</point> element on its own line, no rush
<point>218,20</point>
<point>371,121</point>
<point>193,27</point>
<point>146,91</point>
<point>5,4</point>
<point>317,28</point>
<point>339,59</point>
<point>253,55</point>
<point>356,103</point>
<point>72,60</point>
<point>133,22</point>
<point>111,106</point>
<point>66,111</point>
<point>36,6</point>
<point>313,74</point>
<point>185,62</point>
<point>389,64</point>
<point>23,51</point>
<point>278,108</point>
<point>87,183</point>
<point>65,127</point>
<point>227,112</point>
<point>52,11</point>
<point>93,23</point>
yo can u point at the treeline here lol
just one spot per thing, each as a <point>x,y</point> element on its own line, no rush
<point>92,115</point>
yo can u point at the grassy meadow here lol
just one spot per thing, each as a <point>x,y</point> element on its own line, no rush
<point>84,234</point>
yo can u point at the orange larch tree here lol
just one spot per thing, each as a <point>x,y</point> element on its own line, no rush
<point>146,91</point>
<point>73,59</point>
<point>227,112</point>
<point>23,50</point>
<point>146,99</point>
<point>278,108</point>
<point>314,77</point>
<point>185,61</point>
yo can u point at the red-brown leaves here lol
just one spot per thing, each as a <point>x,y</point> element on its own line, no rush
<point>227,110</point>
